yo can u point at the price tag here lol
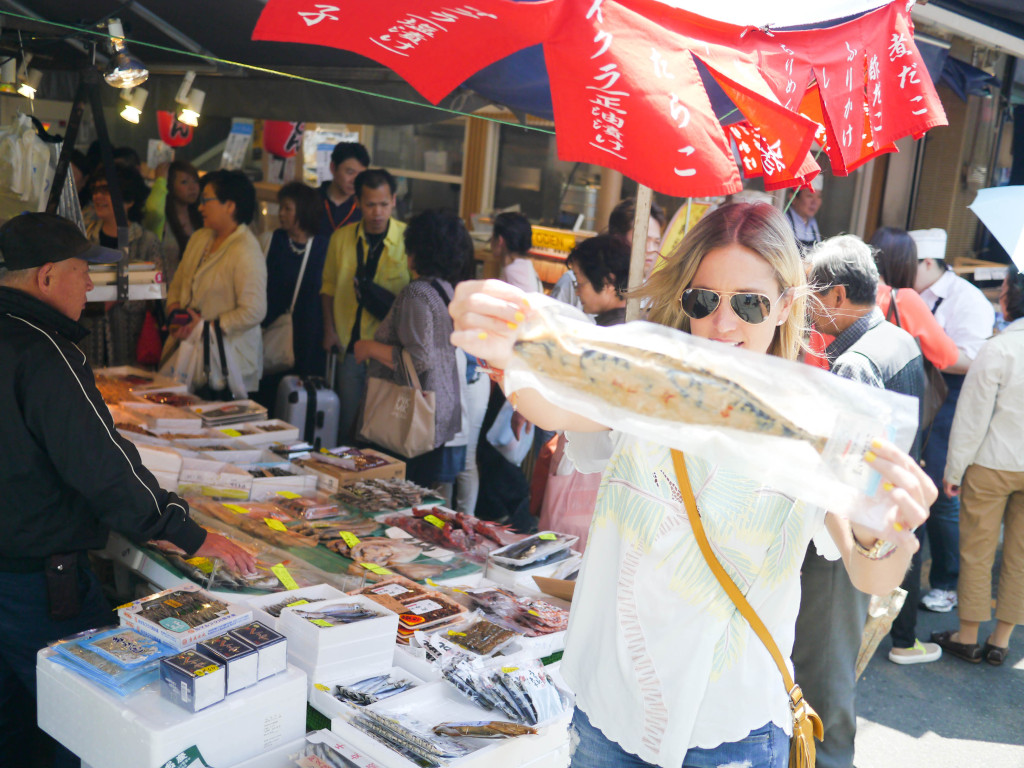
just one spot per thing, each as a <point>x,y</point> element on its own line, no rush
<point>289,495</point>
<point>237,509</point>
<point>547,536</point>
<point>374,568</point>
<point>453,633</point>
<point>411,619</point>
<point>274,525</point>
<point>298,602</point>
<point>533,612</point>
<point>508,670</point>
<point>321,623</point>
<point>434,521</point>
<point>321,687</point>
<point>231,432</point>
<point>206,670</point>
<point>283,576</point>
<point>204,564</point>
<point>350,539</point>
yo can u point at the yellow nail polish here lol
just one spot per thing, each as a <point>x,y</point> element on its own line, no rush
<point>482,335</point>
<point>520,317</point>
<point>512,326</point>
<point>870,456</point>
<point>897,527</point>
<point>888,486</point>
<point>876,443</point>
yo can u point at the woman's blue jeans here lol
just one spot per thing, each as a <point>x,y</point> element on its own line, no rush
<point>764,747</point>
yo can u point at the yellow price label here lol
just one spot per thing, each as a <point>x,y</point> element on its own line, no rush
<point>453,633</point>
<point>204,564</point>
<point>172,603</point>
<point>237,509</point>
<point>289,495</point>
<point>231,432</point>
<point>434,521</point>
<point>547,536</point>
<point>533,612</point>
<point>321,687</point>
<point>374,568</point>
<point>508,670</point>
<point>321,623</point>
<point>275,525</point>
<point>297,602</point>
<point>283,576</point>
<point>206,670</point>
<point>350,539</point>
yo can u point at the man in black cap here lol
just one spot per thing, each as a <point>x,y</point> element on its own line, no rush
<point>66,476</point>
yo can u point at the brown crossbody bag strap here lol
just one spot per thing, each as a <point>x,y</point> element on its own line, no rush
<point>806,723</point>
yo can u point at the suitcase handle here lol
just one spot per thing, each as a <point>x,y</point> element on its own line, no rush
<point>332,362</point>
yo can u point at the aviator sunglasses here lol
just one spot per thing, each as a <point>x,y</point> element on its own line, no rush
<point>752,308</point>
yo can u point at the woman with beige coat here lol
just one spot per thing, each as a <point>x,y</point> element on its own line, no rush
<point>223,275</point>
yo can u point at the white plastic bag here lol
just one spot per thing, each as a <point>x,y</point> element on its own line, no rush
<point>503,437</point>
<point>799,429</point>
<point>181,365</point>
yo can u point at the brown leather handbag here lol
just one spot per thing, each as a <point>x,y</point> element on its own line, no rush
<point>806,724</point>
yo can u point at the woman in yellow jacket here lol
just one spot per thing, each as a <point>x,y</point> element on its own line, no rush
<point>223,275</point>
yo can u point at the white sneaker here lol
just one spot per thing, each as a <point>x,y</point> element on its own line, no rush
<point>940,600</point>
<point>920,653</point>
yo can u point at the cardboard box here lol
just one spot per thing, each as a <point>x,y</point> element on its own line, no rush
<point>560,588</point>
<point>331,476</point>
<point>239,658</point>
<point>175,632</point>
<point>192,680</point>
<point>271,647</point>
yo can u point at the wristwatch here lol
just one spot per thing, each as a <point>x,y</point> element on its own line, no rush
<point>880,550</point>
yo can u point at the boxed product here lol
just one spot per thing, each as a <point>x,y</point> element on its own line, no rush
<point>267,608</point>
<point>214,478</point>
<point>279,480</point>
<point>271,647</point>
<point>182,616</point>
<point>240,660</point>
<point>233,412</point>
<point>192,680</point>
<point>261,433</point>
<point>328,637</point>
<point>333,472</point>
<point>164,417</point>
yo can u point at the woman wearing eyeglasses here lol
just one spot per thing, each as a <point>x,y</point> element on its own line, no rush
<point>665,670</point>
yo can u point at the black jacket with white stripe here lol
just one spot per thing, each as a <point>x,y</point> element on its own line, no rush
<point>66,476</point>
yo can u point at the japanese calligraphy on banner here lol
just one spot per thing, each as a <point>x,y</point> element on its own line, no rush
<point>626,88</point>
<point>435,45</point>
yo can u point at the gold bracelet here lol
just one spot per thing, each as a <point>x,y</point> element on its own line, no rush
<point>880,550</point>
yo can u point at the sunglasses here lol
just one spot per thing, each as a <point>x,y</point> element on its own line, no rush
<point>752,308</point>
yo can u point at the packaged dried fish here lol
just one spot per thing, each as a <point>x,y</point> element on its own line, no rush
<point>309,508</point>
<point>409,737</point>
<point>454,530</point>
<point>127,648</point>
<point>373,689</point>
<point>484,729</point>
<point>482,637</point>
<point>808,429</point>
<point>336,614</point>
<point>534,551</point>
<point>74,653</point>
<point>182,616</point>
<point>397,588</point>
<point>528,615</point>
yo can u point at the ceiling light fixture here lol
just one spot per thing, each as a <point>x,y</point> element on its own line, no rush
<point>28,79</point>
<point>191,101</point>
<point>136,98</point>
<point>124,70</point>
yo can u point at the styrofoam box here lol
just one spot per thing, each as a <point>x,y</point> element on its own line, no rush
<point>298,481</point>
<point>326,704</point>
<point>166,480</point>
<point>524,579</point>
<point>156,381</point>
<point>321,644</point>
<point>240,456</point>
<point>160,459</point>
<point>259,437</point>
<point>376,663</point>
<point>145,730</point>
<point>435,703</point>
<point>214,478</point>
<point>165,417</point>
<point>259,602</point>
<point>415,660</point>
<point>278,757</point>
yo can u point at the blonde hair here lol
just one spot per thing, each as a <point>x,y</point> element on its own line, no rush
<point>758,227</point>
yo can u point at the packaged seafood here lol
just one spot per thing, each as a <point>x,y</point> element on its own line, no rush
<point>192,680</point>
<point>308,507</point>
<point>482,637</point>
<point>530,616</point>
<point>484,729</point>
<point>372,497</point>
<point>335,614</point>
<point>409,737</point>
<point>376,549</point>
<point>396,588</point>
<point>354,459</point>
<point>240,660</point>
<point>127,648</point>
<point>164,397</point>
<point>324,749</point>
<point>541,548</point>
<point>373,689</point>
<point>73,652</point>
<point>182,616</point>
<point>333,475</point>
<point>809,429</point>
<point>164,417</point>
<point>348,530</point>
<point>233,412</point>
<point>452,530</point>
<point>271,647</point>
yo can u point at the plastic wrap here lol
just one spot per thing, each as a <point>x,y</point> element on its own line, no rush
<point>800,430</point>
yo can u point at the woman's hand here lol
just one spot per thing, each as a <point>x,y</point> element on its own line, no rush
<point>184,331</point>
<point>910,491</point>
<point>362,350</point>
<point>486,315</point>
<point>951,490</point>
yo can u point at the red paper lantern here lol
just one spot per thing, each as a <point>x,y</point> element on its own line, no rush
<point>282,138</point>
<point>173,132</point>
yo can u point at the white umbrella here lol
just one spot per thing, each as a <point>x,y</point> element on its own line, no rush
<point>1001,210</point>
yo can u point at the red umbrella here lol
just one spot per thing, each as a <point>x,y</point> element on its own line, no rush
<point>625,84</point>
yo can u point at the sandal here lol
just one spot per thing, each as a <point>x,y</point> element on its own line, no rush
<point>993,654</point>
<point>967,651</point>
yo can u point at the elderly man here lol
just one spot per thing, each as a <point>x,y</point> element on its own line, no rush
<point>967,317</point>
<point>832,612</point>
<point>66,476</point>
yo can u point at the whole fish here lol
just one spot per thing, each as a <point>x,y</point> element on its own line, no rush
<point>653,384</point>
<point>484,729</point>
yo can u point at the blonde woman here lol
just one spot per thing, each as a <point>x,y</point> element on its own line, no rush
<point>665,670</point>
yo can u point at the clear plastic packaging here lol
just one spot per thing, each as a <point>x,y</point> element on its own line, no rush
<point>542,548</point>
<point>799,429</point>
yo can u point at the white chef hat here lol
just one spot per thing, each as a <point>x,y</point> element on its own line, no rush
<point>931,243</point>
<point>817,184</point>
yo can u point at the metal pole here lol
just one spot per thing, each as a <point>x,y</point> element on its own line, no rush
<point>636,259</point>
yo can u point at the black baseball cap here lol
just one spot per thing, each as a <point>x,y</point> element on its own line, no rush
<point>34,239</point>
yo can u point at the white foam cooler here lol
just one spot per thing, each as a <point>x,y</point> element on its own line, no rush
<point>145,730</point>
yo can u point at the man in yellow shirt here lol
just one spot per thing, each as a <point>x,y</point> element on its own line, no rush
<point>366,267</point>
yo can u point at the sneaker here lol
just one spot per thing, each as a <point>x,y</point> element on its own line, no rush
<point>939,600</point>
<point>921,653</point>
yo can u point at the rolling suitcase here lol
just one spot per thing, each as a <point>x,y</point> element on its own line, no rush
<point>312,405</point>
